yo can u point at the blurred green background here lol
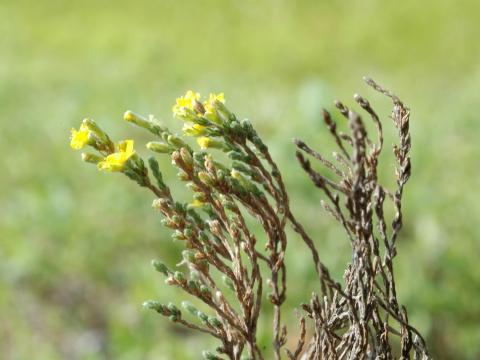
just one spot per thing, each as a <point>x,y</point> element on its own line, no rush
<point>75,244</point>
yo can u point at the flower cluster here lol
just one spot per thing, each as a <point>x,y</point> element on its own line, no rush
<point>197,113</point>
<point>111,157</point>
<point>201,119</point>
<point>190,106</point>
<point>117,160</point>
<point>218,243</point>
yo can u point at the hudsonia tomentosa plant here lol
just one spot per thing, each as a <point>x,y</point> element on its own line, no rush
<point>356,319</point>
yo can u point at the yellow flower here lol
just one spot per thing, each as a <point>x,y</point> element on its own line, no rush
<point>185,102</point>
<point>196,203</point>
<point>116,161</point>
<point>204,142</point>
<point>209,106</point>
<point>193,129</point>
<point>214,97</point>
<point>79,138</point>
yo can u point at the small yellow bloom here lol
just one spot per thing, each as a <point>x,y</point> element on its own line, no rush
<point>204,142</point>
<point>185,102</point>
<point>208,143</point>
<point>79,138</point>
<point>193,129</point>
<point>117,160</point>
<point>192,95</point>
<point>196,203</point>
<point>209,106</point>
<point>217,97</point>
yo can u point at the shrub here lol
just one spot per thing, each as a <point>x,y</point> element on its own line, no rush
<point>229,269</point>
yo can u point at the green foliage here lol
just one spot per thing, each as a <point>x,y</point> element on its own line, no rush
<point>75,245</point>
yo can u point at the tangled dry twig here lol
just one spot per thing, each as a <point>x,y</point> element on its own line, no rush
<point>359,321</point>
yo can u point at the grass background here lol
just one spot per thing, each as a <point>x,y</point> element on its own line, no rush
<point>75,244</point>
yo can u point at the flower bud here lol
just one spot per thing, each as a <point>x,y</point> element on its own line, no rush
<point>198,107</point>
<point>221,175</point>
<point>174,311</point>
<point>159,147</point>
<point>172,308</point>
<point>176,141</point>
<point>160,267</point>
<point>215,227</point>
<point>160,204</point>
<point>202,316</point>
<point>248,128</point>
<point>200,197</point>
<point>259,144</point>
<point>237,129</point>
<point>202,236</point>
<point>189,307</point>
<point>188,233</point>
<point>183,176</point>
<point>208,143</point>
<point>190,129</point>
<point>176,219</point>
<point>208,249</point>
<point>214,321</point>
<point>176,158</point>
<point>168,223</point>
<point>180,207</point>
<point>219,296</point>
<point>239,166</point>
<point>236,175</point>
<point>243,181</point>
<point>189,255</point>
<point>205,178</point>
<point>91,158</point>
<point>199,256</point>
<point>153,305</point>
<point>186,157</point>
<point>94,128</point>
<point>205,291</point>
<point>229,205</point>
<point>195,204</point>
<point>192,186</point>
<point>178,235</point>
<point>170,281</point>
<point>193,286</point>
<point>238,155</point>
<point>179,277</point>
<point>199,156</point>
<point>137,119</point>
<point>164,135</point>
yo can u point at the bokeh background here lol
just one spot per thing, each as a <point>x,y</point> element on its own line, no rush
<point>75,244</point>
